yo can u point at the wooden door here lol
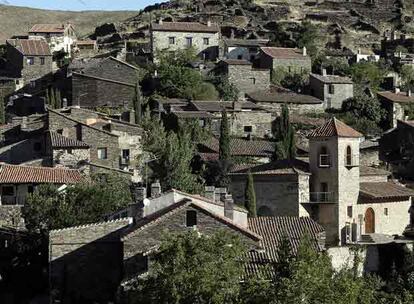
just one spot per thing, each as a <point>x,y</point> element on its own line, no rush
<point>369,221</point>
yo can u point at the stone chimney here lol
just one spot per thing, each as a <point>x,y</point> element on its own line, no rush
<point>139,196</point>
<point>228,206</point>
<point>324,73</point>
<point>209,23</point>
<point>409,92</point>
<point>396,90</point>
<point>304,51</point>
<point>160,21</point>
<point>156,189</point>
<point>23,124</point>
<point>210,192</point>
<point>64,102</point>
<point>237,106</point>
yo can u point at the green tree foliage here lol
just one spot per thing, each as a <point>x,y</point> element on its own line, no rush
<point>334,66</point>
<point>48,208</point>
<point>193,268</point>
<point>154,139</point>
<point>295,81</point>
<point>53,98</point>
<point>407,77</point>
<point>309,36</point>
<point>226,89</point>
<point>197,133</point>
<point>370,73</point>
<point>137,104</point>
<point>205,91</point>
<point>175,163</point>
<point>284,135</point>
<point>224,142</point>
<point>250,196</point>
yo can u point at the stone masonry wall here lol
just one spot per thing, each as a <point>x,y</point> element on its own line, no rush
<point>261,123</point>
<point>70,158</point>
<point>247,79</point>
<point>293,108</point>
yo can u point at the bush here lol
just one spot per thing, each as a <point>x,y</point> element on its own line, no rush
<point>205,91</point>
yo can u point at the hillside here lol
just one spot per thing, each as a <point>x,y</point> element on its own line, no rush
<point>17,20</point>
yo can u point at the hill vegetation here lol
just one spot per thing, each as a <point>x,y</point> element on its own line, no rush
<point>17,20</point>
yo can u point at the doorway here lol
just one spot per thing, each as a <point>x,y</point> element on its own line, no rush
<point>369,221</point>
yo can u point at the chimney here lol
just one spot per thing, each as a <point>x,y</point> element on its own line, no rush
<point>409,92</point>
<point>156,189</point>
<point>324,72</point>
<point>160,21</point>
<point>209,23</point>
<point>64,102</point>
<point>23,124</point>
<point>228,206</point>
<point>237,106</point>
<point>304,51</point>
<point>396,90</point>
<point>138,192</point>
<point>139,196</point>
<point>359,52</point>
<point>210,192</point>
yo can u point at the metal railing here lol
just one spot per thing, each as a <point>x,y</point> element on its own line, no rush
<point>322,197</point>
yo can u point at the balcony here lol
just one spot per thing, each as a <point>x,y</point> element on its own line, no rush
<point>322,197</point>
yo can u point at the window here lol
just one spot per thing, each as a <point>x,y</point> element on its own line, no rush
<point>239,57</point>
<point>125,154</point>
<point>102,153</point>
<point>30,189</point>
<point>171,40</point>
<point>349,211</point>
<point>30,60</point>
<point>201,123</point>
<point>324,158</point>
<point>386,211</point>
<point>248,129</point>
<point>348,161</point>
<point>189,41</point>
<point>191,218</point>
<point>206,41</point>
<point>37,146</point>
<point>331,89</point>
<point>69,151</point>
<point>253,80</point>
<point>42,60</point>
<point>7,190</point>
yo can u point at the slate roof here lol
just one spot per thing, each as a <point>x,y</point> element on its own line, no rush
<point>218,106</point>
<point>31,47</point>
<point>274,229</point>
<point>86,42</point>
<point>237,62</point>
<point>284,53</point>
<point>384,191</point>
<point>240,147</point>
<point>185,27</point>
<point>335,128</point>
<point>47,28</point>
<point>192,114</point>
<point>280,95</point>
<point>12,174</point>
<point>246,42</point>
<point>369,144</point>
<point>330,79</point>
<point>396,97</point>
<point>280,167</point>
<point>59,141</point>
<point>371,171</point>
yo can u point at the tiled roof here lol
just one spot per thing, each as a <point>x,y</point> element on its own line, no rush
<point>284,53</point>
<point>59,141</point>
<point>185,27</point>
<point>335,128</point>
<point>280,167</point>
<point>401,97</point>
<point>246,42</point>
<point>218,106</point>
<point>237,62</point>
<point>332,79</point>
<point>31,47</point>
<point>279,95</point>
<point>240,147</point>
<point>384,191</point>
<point>192,114</point>
<point>371,171</point>
<point>274,229</point>
<point>11,174</point>
<point>47,28</point>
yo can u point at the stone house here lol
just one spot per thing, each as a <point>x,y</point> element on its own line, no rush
<point>18,181</point>
<point>332,89</point>
<point>273,98</point>
<point>352,202</point>
<point>203,38</point>
<point>243,49</point>
<point>86,47</point>
<point>245,76</point>
<point>60,37</point>
<point>369,151</point>
<point>113,143</point>
<point>396,105</point>
<point>290,60</point>
<point>29,59</point>
<point>106,82</point>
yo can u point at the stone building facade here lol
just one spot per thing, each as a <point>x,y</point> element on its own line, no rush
<point>29,59</point>
<point>395,104</point>
<point>333,90</point>
<point>244,76</point>
<point>103,83</point>
<point>289,60</point>
<point>203,38</point>
<point>60,37</point>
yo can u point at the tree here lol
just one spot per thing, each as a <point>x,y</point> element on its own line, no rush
<point>227,90</point>
<point>407,77</point>
<point>194,268</point>
<point>250,196</point>
<point>309,36</point>
<point>284,135</point>
<point>371,73</point>
<point>155,136</point>
<point>205,91</point>
<point>137,104</point>
<point>224,162</point>
<point>48,208</point>
<point>58,99</point>
<point>295,81</point>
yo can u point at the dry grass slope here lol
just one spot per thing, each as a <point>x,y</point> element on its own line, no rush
<point>17,20</point>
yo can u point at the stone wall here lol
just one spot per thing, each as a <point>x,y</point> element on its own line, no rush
<point>276,195</point>
<point>70,158</point>
<point>247,79</point>
<point>261,123</point>
<point>293,107</point>
<point>342,92</point>
<point>288,65</point>
<point>24,150</point>
<point>160,41</point>
<point>369,157</point>
<point>11,216</point>
<point>86,262</point>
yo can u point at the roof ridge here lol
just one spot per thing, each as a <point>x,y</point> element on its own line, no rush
<point>3,164</point>
<point>128,219</point>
